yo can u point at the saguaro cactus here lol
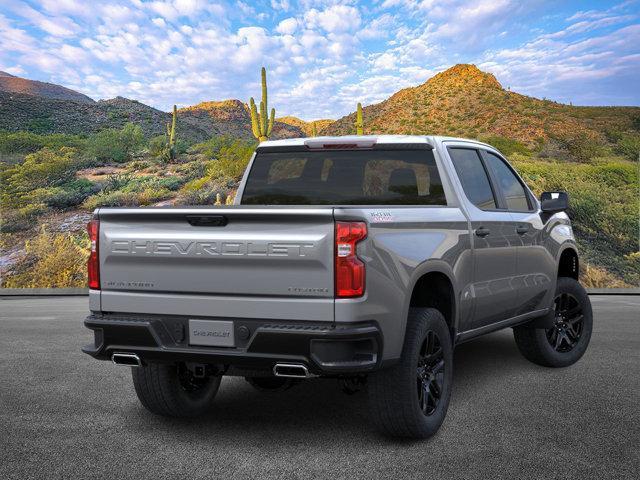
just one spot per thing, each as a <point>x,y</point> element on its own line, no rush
<point>314,130</point>
<point>260,124</point>
<point>359,125</point>
<point>171,135</point>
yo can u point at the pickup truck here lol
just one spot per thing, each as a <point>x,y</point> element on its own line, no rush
<point>362,258</point>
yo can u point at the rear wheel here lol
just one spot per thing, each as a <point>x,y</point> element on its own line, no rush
<point>411,398</point>
<point>173,390</point>
<point>564,343</point>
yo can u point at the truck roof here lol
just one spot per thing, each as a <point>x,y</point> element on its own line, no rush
<point>365,139</point>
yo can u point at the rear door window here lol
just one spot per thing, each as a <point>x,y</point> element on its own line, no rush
<point>355,177</point>
<point>473,177</point>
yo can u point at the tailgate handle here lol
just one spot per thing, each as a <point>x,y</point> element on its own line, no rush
<point>207,220</point>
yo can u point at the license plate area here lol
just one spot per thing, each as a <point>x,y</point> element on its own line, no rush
<point>211,333</point>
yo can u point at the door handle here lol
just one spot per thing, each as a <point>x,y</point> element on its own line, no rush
<point>482,231</point>
<point>522,229</point>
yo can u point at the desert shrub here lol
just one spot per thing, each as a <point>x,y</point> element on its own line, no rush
<point>580,146</point>
<point>111,199</point>
<point>68,195</point>
<point>116,182</point>
<point>137,165</point>
<point>43,169</point>
<point>207,195</point>
<point>204,191</point>
<point>157,145</point>
<point>215,146</point>
<point>40,125</point>
<point>604,207</point>
<point>171,183</point>
<point>28,142</point>
<point>192,170</point>
<point>24,218</point>
<point>51,261</point>
<point>232,160</point>
<point>506,145</point>
<point>594,277</point>
<point>127,199</point>
<point>116,145</point>
<point>629,146</point>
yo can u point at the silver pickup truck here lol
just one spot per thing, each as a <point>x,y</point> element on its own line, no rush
<point>364,258</point>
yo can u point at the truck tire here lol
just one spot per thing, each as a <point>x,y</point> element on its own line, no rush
<point>172,391</point>
<point>410,399</point>
<point>564,343</point>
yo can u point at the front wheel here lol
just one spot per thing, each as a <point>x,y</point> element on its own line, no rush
<point>564,343</point>
<point>173,390</point>
<point>411,398</point>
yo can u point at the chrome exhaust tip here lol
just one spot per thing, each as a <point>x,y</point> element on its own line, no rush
<point>291,370</point>
<point>126,359</point>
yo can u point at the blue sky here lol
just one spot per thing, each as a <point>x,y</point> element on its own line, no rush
<point>322,56</point>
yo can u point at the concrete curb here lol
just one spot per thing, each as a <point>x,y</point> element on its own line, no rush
<point>34,292</point>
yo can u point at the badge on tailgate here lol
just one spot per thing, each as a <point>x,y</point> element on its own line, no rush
<point>212,333</point>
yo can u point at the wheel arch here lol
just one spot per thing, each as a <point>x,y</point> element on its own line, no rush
<point>433,286</point>
<point>569,262</point>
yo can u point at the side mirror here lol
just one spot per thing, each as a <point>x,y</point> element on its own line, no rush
<point>552,202</point>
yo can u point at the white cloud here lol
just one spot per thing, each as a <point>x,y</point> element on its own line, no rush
<point>321,57</point>
<point>280,5</point>
<point>386,61</point>
<point>378,27</point>
<point>335,19</point>
<point>56,26</point>
<point>15,70</point>
<point>287,26</point>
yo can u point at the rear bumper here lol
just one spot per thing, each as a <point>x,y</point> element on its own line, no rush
<point>323,347</point>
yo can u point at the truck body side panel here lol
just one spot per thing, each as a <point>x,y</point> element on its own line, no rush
<point>402,245</point>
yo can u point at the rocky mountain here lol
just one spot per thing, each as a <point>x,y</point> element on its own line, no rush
<point>16,85</point>
<point>231,117</point>
<point>306,127</point>
<point>464,101</point>
<point>47,108</point>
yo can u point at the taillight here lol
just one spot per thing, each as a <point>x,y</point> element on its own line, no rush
<point>93,265</point>
<point>350,270</point>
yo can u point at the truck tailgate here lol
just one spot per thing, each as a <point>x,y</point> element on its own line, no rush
<point>239,262</point>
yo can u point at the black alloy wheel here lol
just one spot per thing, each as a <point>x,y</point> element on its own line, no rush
<point>430,373</point>
<point>569,323</point>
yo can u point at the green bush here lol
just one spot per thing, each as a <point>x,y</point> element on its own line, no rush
<point>604,207</point>
<point>157,145</point>
<point>116,145</point>
<point>52,260</point>
<point>28,142</point>
<point>40,125</point>
<point>581,146</point>
<point>507,146</point>
<point>233,159</point>
<point>44,169</point>
<point>629,146</point>
<point>127,199</point>
<point>68,195</point>
<point>24,218</point>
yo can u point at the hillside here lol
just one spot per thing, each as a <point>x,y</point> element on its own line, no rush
<point>19,111</point>
<point>464,101</point>
<point>16,85</point>
<point>306,127</point>
<point>231,117</point>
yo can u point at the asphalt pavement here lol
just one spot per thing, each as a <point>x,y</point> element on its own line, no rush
<point>65,415</point>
